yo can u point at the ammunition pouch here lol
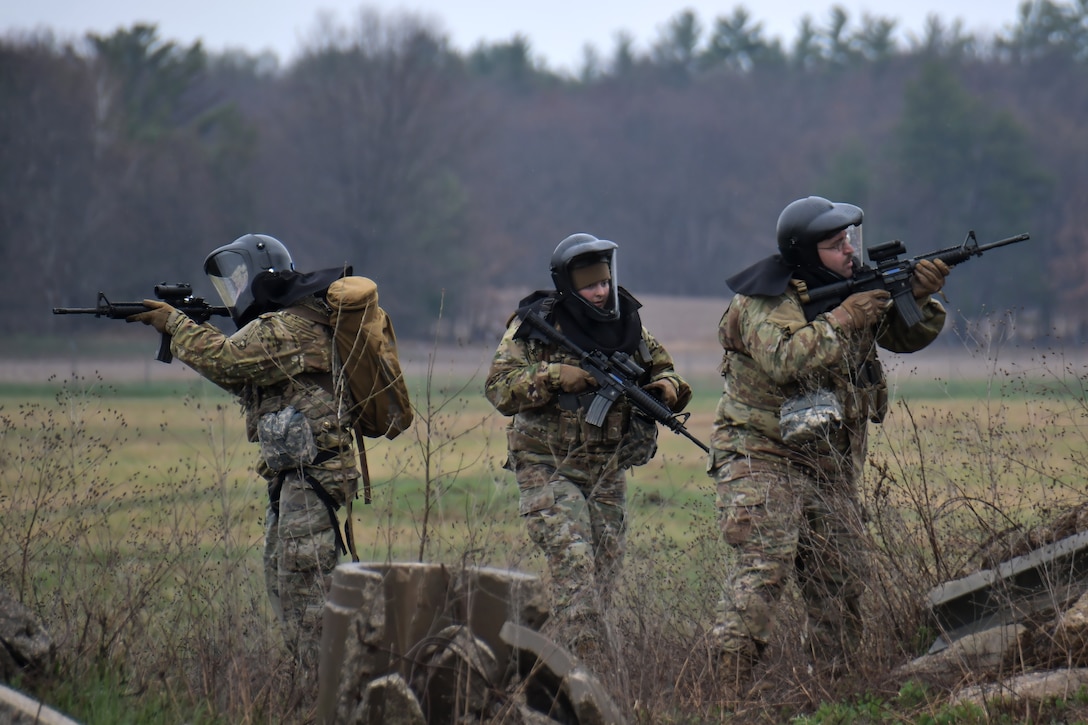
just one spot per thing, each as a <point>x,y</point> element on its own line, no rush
<point>810,418</point>
<point>286,440</point>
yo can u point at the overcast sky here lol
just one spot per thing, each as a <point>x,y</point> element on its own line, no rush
<point>557,30</point>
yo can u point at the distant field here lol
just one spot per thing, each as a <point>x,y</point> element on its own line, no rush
<point>688,327</point>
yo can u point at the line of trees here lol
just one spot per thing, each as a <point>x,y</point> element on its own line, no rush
<point>449,175</point>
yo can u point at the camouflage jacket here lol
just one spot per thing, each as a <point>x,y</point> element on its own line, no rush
<point>278,360</point>
<point>772,353</point>
<point>524,383</point>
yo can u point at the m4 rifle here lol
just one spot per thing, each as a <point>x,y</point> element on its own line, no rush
<point>894,274</point>
<point>179,296</point>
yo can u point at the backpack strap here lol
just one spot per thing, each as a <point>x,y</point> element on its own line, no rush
<point>308,313</point>
<point>349,531</point>
<point>325,380</point>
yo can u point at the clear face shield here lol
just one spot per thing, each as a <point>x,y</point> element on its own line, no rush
<point>229,274</point>
<point>854,238</point>
<point>613,305</point>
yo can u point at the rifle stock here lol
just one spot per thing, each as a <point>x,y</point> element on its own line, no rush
<point>616,376</point>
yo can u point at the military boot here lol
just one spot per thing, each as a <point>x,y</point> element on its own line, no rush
<point>733,660</point>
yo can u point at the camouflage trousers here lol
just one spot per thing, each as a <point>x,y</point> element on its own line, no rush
<point>782,523</point>
<point>578,520</point>
<point>299,556</point>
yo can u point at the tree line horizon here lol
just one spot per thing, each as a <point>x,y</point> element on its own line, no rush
<point>449,177</point>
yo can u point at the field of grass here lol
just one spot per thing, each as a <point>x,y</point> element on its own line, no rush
<point>156,435</point>
<point>165,445</point>
<point>133,522</point>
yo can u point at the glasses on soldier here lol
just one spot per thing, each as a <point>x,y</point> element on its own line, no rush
<point>837,246</point>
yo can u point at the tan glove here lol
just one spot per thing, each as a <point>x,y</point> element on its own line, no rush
<point>157,314</point>
<point>928,278</point>
<point>663,390</point>
<point>862,310</point>
<point>573,379</point>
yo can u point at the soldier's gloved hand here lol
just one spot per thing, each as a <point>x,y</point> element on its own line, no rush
<point>157,314</point>
<point>573,379</point>
<point>862,310</point>
<point>663,390</point>
<point>928,278</point>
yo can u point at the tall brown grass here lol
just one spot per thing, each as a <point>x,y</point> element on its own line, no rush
<point>132,527</point>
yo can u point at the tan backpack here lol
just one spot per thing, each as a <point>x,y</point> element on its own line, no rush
<point>367,348</point>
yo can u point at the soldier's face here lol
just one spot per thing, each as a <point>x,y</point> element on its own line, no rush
<point>596,294</point>
<point>837,254</point>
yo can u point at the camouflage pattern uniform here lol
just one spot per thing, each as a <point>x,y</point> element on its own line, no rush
<point>279,360</point>
<point>572,475</point>
<point>794,510</point>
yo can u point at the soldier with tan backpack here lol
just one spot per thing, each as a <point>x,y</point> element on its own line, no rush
<point>314,365</point>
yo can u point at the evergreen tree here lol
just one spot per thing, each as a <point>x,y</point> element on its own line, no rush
<point>962,165</point>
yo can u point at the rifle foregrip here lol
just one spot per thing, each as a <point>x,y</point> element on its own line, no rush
<point>649,404</point>
<point>663,415</point>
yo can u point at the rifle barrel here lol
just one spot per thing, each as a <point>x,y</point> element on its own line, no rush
<point>1003,242</point>
<point>971,248</point>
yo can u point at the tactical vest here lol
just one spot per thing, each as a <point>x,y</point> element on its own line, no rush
<point>747,420</point>
<point>558,431</point>
<point>311,395</point>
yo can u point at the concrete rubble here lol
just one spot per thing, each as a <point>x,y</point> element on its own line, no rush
<point>420,644</point>
<point>1017,630</point>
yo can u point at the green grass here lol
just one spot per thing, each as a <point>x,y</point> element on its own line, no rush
<point>110,698</point>
<point>160,432</point>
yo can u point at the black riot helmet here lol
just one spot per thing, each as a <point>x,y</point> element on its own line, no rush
<point>579,261</point>
<point>233,267</point>
<point>804,223</point>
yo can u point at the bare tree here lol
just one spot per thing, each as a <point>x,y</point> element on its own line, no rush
<point>363,151</point>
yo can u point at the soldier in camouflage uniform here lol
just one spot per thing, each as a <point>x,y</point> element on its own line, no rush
<point>787,485</point>
<point>571,474</point>
<point>279,364</point>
